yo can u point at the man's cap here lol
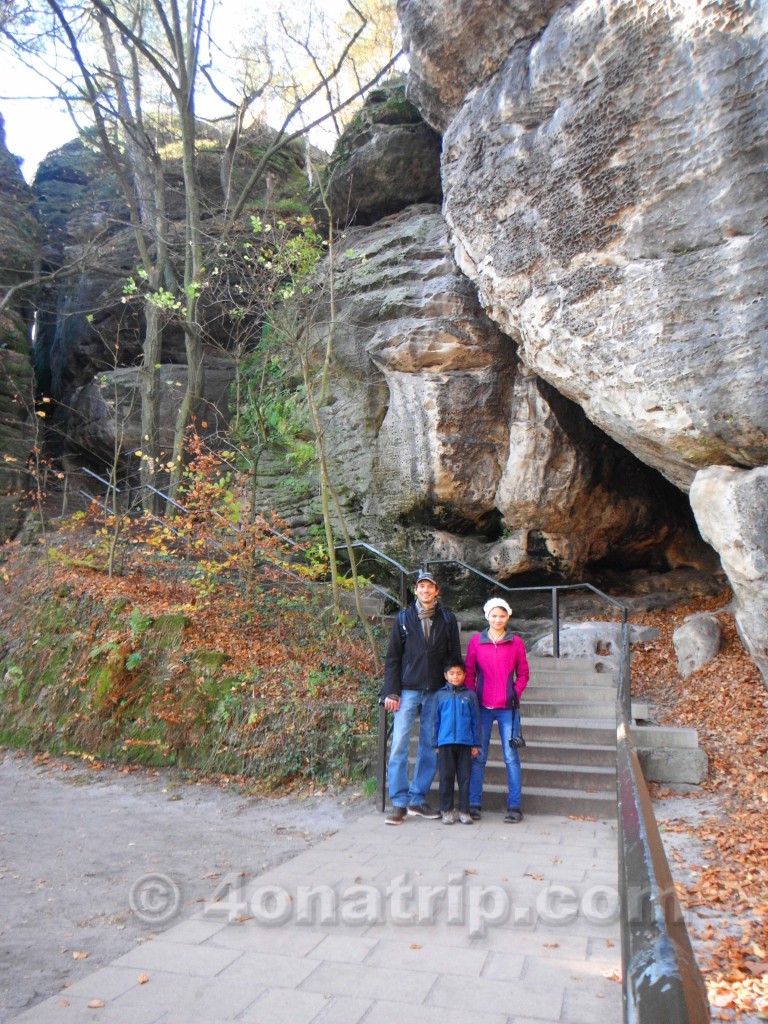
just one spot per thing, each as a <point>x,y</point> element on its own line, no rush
<point>426,576</point>
<point>496,602</point>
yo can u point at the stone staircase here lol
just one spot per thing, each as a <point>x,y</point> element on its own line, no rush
<point>569,724</point>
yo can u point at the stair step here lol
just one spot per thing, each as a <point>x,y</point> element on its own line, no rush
<point>546,678</point>
<point>543,800</point>
<point>569,692</point>
<point>582,754</point>
<point>555,776</point>
<point>568,665</point>
<point>598,709</point>
<point>570,730</point>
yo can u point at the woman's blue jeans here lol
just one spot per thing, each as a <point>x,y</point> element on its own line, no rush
<point>504,719</point>
<point>400,792</point>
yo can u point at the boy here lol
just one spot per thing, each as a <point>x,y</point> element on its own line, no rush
<point>457,736</point>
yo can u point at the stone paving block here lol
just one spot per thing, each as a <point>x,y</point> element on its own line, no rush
<point>178,958</point>
<point>510,942</point>
<point>371,983</point>
<point>106,983</point>
<point>592,1004</point>
<point>190,998</point>
<point>249,936</point>
<point>193,931</point>
<point>343,949</point>
<point>537,971</point>
<point>284,1006</point>
<point>389,1012</point>
<point>412,956</point>
<point>344,1010</point>
<point>269,970</point>
<point>605,950</point>
<point>454,936</point>
<point>53,1011</point>
<point>497,997</point>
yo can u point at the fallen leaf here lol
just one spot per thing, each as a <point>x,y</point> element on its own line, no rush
<point>79,955</point>
<point>143,979</point>
<point>96,1004</point>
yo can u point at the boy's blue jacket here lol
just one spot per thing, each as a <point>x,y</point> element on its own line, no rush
<point>457,717</point>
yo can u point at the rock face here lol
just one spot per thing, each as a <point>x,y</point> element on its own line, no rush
<point>20,244</point>
<point>443,445</point>
<point>606,191</point>
<point>730,507</point>
<point>604,179</point>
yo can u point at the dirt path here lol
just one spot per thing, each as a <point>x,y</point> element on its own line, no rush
<point>95,860</point>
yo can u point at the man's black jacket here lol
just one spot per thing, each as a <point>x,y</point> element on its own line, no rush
<point>412,665</point>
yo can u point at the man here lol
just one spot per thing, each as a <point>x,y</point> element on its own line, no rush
<point>423,638</point>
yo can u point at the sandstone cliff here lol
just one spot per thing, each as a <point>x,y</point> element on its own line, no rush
<point>19,243</point>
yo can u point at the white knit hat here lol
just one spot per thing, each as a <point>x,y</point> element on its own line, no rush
<point>495,602</point>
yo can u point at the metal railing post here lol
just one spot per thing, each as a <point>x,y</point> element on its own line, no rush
<point>555,622</point>
<point>381,758</point>
<point>403,589</point>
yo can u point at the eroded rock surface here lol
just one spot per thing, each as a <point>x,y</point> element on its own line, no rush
<point>606,190</point>
<point>442,442</point>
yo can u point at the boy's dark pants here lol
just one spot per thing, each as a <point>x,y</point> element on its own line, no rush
<point>454,762</point>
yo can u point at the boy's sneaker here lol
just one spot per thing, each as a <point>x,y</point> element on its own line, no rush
<point>513,815</point>
<point>474,813</point>
<point>422,811</point>
<point>397,817</point>
<point>448,817</point>
<point>465,819</point>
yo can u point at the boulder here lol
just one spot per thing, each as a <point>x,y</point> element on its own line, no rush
<point>731,508</point>
<point>598,642</point>
<point>387,159</point>
<point>105,414</point>
<point>696,642</point>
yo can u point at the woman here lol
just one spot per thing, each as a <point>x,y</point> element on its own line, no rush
<point>497,670</point>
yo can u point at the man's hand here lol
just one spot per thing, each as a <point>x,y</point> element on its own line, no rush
<point>392,703</point>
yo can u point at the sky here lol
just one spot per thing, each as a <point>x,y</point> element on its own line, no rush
<point>36,126</point>
<point>32,127</point>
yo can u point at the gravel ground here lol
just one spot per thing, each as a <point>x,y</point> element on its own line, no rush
<point>94,860</point>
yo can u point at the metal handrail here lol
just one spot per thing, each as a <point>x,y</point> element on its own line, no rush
<point>661,979</point>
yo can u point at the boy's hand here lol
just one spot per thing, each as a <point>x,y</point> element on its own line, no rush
<point>475,751</point>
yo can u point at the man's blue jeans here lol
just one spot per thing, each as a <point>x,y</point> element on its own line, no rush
<point>504,719</point>
<point>400,793</point>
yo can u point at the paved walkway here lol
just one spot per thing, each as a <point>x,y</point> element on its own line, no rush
<point>417,924</point>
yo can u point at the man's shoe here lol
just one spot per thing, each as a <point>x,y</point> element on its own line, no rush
<point>474,813</point>
<point>448,817</point>
<point>513,815</point>
<point>422,811</point>
<point>465,819</point>
<point>397,817</point>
